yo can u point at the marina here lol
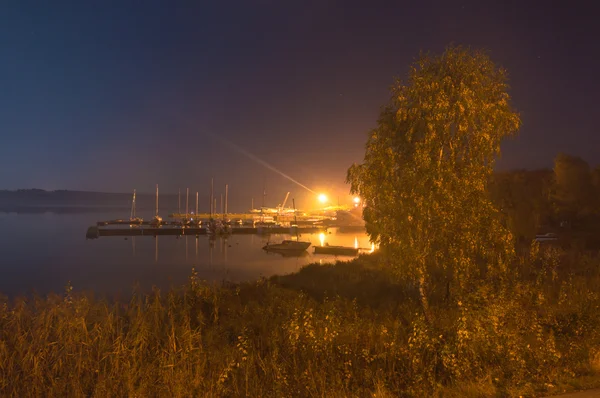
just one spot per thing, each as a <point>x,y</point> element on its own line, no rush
<point>161,256</point>
<point>177,230</point>
<point>263,221</point>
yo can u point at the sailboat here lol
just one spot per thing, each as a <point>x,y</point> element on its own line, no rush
<point>132,218</point>
<point>288,246</point>
<point>157,220</point>
<point>218,226</point>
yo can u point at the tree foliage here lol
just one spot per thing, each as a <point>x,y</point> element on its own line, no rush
<point>596,184</point>
<point>522,196</point>
<point>574,191</point>
<point>427,163</point>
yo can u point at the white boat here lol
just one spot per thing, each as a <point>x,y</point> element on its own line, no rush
<point>288,246</point>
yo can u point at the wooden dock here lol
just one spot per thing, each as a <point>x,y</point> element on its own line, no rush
<point>95,232</point>
<point>137,223</point>
<point>337,250</point>
<point>248,217</point>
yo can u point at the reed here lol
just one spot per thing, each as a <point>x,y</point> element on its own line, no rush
<point>345,329</point>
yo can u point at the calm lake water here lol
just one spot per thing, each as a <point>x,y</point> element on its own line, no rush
<point>42,252</point>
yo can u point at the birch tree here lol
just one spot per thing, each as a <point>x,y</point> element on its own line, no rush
<point>426,166</point>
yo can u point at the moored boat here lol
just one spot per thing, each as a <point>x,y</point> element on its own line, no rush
<point>156,220</point>
<point>287,246</point>
<point>133,219</point>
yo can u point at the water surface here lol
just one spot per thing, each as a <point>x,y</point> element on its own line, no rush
<point>42,252</point>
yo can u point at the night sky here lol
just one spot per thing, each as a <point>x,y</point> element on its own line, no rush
<point>116,95</point>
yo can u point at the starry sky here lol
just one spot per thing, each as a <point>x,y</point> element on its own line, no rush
<point>115,95</point>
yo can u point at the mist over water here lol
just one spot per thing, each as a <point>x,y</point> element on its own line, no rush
<point>41,252</point>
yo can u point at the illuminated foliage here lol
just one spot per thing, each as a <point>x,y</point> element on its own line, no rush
<point>347,329</point>
<point>427,164</point>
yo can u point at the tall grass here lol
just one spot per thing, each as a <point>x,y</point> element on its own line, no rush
<point>348,329</point>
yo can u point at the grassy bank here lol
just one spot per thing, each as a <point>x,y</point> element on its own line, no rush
<point>349,329</point>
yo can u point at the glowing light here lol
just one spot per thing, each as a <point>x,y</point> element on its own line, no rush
<point>322,198</point>
<point>322,238</point>
<point>372,247</point>
<point>356,242</point>
<point>356,200</point>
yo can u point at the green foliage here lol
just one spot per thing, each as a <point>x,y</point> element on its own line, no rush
<point>427,164</point>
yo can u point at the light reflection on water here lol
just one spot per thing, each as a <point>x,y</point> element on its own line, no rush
<point>43,252</point>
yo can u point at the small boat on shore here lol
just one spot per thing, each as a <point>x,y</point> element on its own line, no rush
<point>336,250</point>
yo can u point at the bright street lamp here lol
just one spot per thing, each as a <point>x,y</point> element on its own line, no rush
<point>322,198</point>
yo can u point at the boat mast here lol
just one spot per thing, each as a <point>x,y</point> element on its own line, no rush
<point>196,205</point>
<point>226,191</point>
<point>133,206</point>
<point>295,220</point>
<point>179,202</point>
<point>156,200</point>
<point>187,197</point>
<point>212,181</point>
<point>262,216</point>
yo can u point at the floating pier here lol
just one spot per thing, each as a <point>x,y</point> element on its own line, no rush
<point>337,250</point>
<point>136,223</point>
<point>248,217</point>
<point>95,232</point>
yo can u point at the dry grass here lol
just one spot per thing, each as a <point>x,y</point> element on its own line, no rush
<point>349,329</point>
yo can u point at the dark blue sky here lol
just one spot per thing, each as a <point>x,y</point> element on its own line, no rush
<point>116,95</point>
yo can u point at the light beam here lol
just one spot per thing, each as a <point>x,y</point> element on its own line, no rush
<point>260,161</point>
